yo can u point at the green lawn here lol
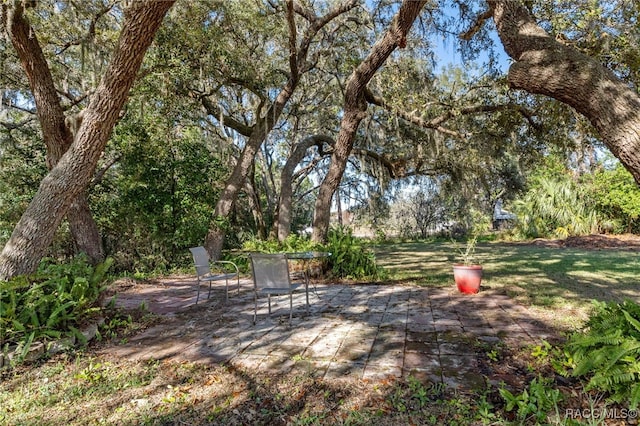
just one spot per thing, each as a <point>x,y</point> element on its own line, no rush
<point>560,280</point>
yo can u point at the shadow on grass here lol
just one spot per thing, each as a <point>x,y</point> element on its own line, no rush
<point>540,276</point>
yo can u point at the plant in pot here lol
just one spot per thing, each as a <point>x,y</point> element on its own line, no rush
<point>467,274</point>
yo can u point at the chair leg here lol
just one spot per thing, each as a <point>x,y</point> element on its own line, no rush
<point>290,306</point>
<point>306,291</point>
<point>269,299</point>
<point>226,290</point>
<point>255,307</point>
<point>198,294</point>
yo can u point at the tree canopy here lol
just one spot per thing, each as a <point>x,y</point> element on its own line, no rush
<point>152,127</point>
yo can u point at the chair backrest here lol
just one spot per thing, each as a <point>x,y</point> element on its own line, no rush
<point>201,260</point>
<point>270,270</point>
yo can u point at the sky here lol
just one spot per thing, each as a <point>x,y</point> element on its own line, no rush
<point>448,55</point>
<point>446,51</point>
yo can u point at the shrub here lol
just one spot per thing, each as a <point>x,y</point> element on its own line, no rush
<point>617,198</point>
<point>292,243</point>
<point>349,259</point>
<point>554,207</point>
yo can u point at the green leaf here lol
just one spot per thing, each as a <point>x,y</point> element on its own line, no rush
<point>634,322</point>
<point>53,320</point>
<point>27,345</point>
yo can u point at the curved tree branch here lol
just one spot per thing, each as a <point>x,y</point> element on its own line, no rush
<point>436,122</point>
<point>286,181</point>
<point>216,111</point>
<point>91,32</point>
<point>479,22</point>
<point>546,66</point>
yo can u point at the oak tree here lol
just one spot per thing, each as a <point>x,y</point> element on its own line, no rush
<point>74,169</point>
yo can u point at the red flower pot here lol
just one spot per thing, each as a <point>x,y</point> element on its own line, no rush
<point>467,278</point>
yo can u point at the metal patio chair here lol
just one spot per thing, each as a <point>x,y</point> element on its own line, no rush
<point>208,270</point>
<point>271,277</point>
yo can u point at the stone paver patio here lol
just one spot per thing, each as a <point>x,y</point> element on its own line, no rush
<point>363,331</point>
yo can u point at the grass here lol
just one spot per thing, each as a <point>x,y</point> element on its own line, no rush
<point>84,390</point>
<point>549,280</point>
<point>84,387</point>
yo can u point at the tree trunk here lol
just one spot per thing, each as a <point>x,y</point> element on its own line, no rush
<point>35,230</point>
<point>283,221</point>
<point>57,134</point>
<point>545,66</point>
<point>355,109</point>
<point>254,204</point>
<point>214,240</point>
<point>84,230</point>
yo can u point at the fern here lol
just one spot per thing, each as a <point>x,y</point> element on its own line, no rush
<point>625,353</point>
<point>586,342</point>
<point>607,352</point>
<point>634,395</point>
<point>589,361</point>
<point>634,322</point>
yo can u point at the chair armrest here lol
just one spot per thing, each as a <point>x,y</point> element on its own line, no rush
<point>227,263</point>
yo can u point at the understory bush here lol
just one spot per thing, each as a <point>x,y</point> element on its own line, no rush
<point>349,258</point>
<point>292,243</point>
<point>50,303</point>
<point>554,207</point>
<point>607,352</point>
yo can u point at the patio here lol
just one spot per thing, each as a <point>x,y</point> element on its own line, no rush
<point>361,331</point>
